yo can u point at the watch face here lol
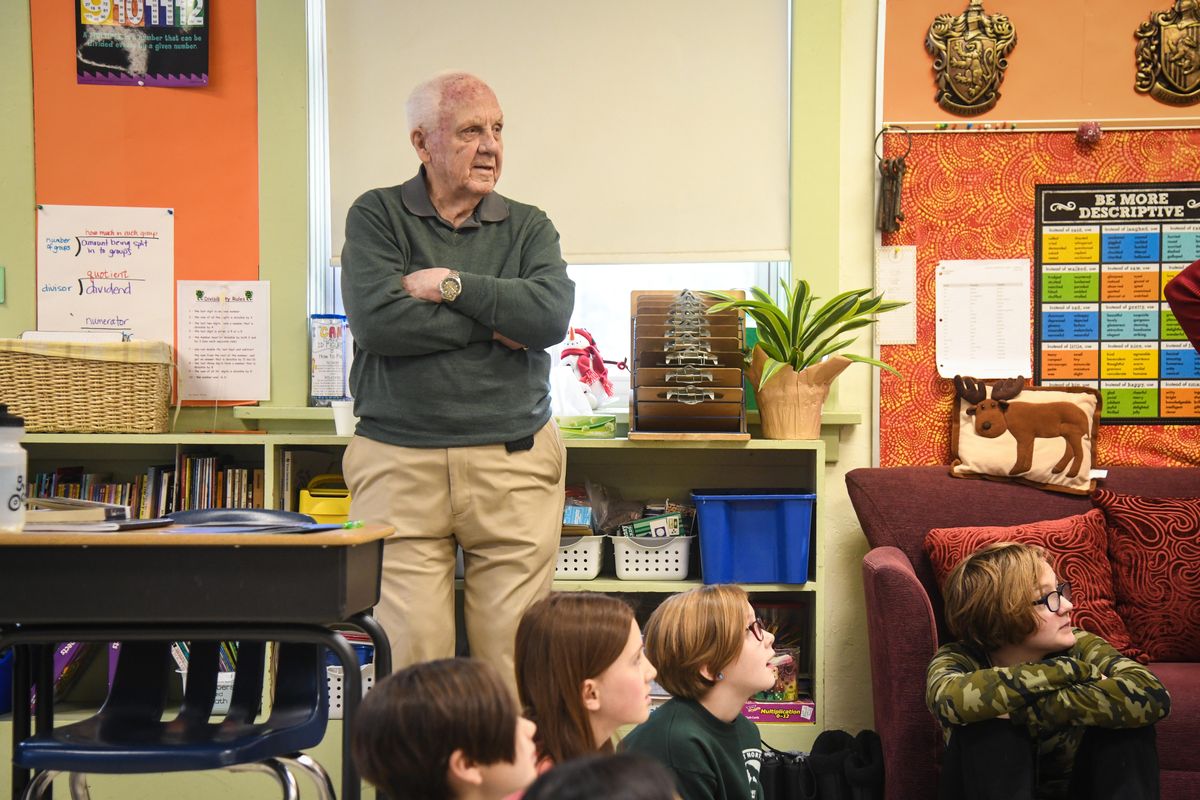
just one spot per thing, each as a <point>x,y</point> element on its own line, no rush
<point>451,288</point>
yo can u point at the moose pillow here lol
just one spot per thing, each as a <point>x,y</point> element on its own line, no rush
<point>1040,435</point>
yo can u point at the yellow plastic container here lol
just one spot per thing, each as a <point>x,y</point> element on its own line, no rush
<point>326,499</point>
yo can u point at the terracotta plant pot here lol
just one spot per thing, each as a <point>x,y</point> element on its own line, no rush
<point>791,402</point>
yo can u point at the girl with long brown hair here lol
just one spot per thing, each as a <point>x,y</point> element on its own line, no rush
<point>581,673</point>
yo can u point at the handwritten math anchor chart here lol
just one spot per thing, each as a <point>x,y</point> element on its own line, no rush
<point>1104,252</point>
<point>103,268</point>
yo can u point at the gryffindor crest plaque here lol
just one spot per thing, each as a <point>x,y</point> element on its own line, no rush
<point>1168,54</point>
<point>969,58</point>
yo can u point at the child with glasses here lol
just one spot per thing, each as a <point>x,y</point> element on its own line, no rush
<point>581,673</point>
<point>444,730</point>
<point>712,654</point>
<point>1032,707</point>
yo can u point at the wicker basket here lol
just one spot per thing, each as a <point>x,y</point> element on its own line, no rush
<point>67,387</point>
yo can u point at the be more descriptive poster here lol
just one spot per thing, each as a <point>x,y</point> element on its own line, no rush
<point>1104,252</point>
<point>106,268</point>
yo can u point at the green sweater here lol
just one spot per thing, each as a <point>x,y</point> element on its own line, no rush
<point>712,759</point>
<point>429,374</point>
<point>1056,699</point>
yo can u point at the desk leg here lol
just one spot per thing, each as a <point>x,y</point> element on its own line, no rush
<point>383,656</point>
<point>379,638</point>
<point>351,695</point>
<point>22,683</point>
<point>43,662</point>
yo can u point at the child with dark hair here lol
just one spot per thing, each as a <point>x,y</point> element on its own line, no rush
<point>1032,707</point>
<point>625,776</point>
<point>581,673</point>
<point>712,654</point>
<point>444,730</point>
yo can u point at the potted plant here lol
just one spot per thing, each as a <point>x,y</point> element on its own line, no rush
<point>798,351</point>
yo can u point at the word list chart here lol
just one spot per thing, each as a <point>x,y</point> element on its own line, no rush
<point>1103,253</point>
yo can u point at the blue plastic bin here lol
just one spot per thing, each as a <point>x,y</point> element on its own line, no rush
<point>754,536</point>
<point>6,668</point>
<point>365,653</point>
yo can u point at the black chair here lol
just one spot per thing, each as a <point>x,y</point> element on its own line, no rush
<point>128,735</point>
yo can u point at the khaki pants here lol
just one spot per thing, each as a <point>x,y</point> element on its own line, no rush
<point>504,509</point>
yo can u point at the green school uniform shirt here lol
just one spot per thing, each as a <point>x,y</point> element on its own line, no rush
<point>712,759</point>
<point>1056,699</point>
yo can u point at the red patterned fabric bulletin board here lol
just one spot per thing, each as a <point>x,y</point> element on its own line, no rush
<point>970,195</point>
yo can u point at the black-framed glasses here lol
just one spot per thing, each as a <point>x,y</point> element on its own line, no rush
<point>756,628</point>
<point>1053,600</point>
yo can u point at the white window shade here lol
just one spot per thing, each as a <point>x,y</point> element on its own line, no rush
<point>649,132</point>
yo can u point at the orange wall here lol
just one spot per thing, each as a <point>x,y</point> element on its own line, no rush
<point>191,149</point>
<point>1073,61</point>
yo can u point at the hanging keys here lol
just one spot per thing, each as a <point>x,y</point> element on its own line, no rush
<point>891,185</point>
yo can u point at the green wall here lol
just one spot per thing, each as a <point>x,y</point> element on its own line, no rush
<point>16,171</point>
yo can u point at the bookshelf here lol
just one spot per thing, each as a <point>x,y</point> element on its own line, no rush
<point>639,469</point>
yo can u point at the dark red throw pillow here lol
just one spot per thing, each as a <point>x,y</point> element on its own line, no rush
<point>1077,547</point>
<point>1154,544</point>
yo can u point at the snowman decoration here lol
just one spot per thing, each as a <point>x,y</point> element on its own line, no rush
<point>580,383</point>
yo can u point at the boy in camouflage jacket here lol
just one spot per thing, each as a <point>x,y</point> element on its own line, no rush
<point>1030,706</point>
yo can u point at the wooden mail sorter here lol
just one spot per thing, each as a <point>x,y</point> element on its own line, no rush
<point>687,368</point>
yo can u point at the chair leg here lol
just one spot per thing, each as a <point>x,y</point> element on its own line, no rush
<point>79,787</point>
<point>276,768</point>
<point>40,783</point>
<point>325,790</point>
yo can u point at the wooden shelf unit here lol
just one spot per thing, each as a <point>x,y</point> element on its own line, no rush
<point>644,470</point>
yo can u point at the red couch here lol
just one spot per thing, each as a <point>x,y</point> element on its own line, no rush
<point>896,507</point>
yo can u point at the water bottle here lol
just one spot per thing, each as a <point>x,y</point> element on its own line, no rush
<point>13,462</point>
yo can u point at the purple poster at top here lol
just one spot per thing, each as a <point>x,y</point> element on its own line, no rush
<point>142,42</point>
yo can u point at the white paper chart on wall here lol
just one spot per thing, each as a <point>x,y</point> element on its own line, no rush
<point>106,268</point>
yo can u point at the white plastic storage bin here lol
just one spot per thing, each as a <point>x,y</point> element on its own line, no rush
<point>579,558</point>
<point>641,558</point>
<point>333,678</point>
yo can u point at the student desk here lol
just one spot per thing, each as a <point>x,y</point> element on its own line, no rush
<point>160,584</point>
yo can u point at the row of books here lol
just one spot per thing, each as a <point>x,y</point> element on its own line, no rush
<point>193,482</point>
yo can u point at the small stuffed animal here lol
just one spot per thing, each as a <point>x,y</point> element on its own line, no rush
<point>579,354</point>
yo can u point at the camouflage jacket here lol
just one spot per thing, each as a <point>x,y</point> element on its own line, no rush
<point>1090,685</point>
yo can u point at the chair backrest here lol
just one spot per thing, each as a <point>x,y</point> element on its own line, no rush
<point>247,683</point>
<point>301,690</point>
<point>204,659</point>
<point>139,687</point>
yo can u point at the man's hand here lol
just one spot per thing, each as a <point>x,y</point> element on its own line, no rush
<point>425,284</point>
<point>507,342</point>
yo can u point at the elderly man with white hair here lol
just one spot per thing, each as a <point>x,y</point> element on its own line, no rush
<point>453,294</point>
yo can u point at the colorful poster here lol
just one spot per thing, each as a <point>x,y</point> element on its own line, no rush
<point>142,42</point>
<point>106,268</point>
<point>1104,252</point>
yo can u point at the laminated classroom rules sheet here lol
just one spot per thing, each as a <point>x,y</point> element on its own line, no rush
<point>224,340</point>
<point>106,268</point>
<point>983,318</point>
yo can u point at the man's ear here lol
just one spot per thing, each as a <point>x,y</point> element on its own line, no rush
<point>462,771</point>
<point>420,143</point>
<point>591,695</point>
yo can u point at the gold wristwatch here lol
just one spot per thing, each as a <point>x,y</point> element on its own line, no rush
<point>451,287</point>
